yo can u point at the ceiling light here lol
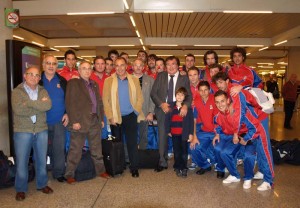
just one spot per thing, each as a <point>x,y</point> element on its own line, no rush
<point>59,56</point>
<point>54,49</point>
<point>280,42</point>
<point>164,45</point>
<point>250,12</point>
<point>132,21</point>
<point>253,67</point>
<point>282,63</point>
<point>229,60</point>
<point>209,45</point>
<point>67,46</point>
<point>18,37</point>
<point>250,45</point>
<point>223,55</point>
<point>283,67</point>
<point>198,55</point>
<point>88,56</point>
<point>267,67</point>
<point>144,48</point>
<point>164,55</point>
<point>141,41</point>
<point>120,45</point>
<point>39,44</point>
<point>263,48</point>
<point>126,4</point>
<point>247,54</point>
<point>88,13</point>
<point>137,33</point>
<point>171,11</point>
<point>262,63</point>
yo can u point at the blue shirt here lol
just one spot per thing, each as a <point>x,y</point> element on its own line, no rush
<point>57,95</point>
<point>124,101</point>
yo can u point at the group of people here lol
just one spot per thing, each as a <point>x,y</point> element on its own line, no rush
<point>208,113</point>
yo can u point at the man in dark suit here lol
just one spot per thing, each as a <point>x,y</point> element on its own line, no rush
<point>85,109</point>
<point>163,94</point>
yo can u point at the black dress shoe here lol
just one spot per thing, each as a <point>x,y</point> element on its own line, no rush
<point>220,174</point>
<point>61,179</point>
<point>201,171</point>
<point>160,168</point>
<point>135,173</point>
<point>20,196</point>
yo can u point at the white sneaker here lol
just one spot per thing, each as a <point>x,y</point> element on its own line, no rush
<point>258,176</point>
<point>264,186</point>
<point>192,166</point>
<point>247,184</point>
<point>231,179</point>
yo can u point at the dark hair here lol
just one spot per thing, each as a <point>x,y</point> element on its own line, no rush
<point>220,76</point>
<point>193,68</point>
<point>142,51</point>
<point>68,52</point>
<point>113,52</point>
<point>238,50</point>
<point>160,59</point>
<point>212,66</point>
<point>210,52</point>
<point>172,58</point>
<point>98,57</point>
<point>121,58</point>
<point>183,91</point>
<point>190,55</point>
<point>108,59</point>
<point>123,53</point>
<point>221,92</point>
<point>152,56</point>
<point>204,83</point>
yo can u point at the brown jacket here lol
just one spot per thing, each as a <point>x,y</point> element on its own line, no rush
<point>79,104</point>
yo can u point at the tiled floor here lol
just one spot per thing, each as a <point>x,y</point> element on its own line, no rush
<point>165,189</point>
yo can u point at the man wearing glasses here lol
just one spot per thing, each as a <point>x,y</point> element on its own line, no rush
<point>30,103</point>
<point>57,119</point>
<point>85,110</point>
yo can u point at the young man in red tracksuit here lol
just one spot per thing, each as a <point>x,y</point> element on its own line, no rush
<point>228,144</point>
<point>263,146</point>
<point>205,110</point>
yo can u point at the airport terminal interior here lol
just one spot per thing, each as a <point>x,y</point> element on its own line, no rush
<point>269,30</point>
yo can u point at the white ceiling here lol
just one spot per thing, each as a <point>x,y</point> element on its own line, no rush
<point>47,22</point>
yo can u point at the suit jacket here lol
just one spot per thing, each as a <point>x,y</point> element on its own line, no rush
<point>148,105</point>
<point>79,104</point>
<point>159,90</point>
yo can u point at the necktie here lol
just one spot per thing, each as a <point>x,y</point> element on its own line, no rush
<point>171,89</point>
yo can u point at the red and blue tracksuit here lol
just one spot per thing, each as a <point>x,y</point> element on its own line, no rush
<point>205,132</point>
<point>245,76</point>
<point>205,76</point>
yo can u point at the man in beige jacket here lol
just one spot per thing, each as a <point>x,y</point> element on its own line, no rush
<point>123,100</point>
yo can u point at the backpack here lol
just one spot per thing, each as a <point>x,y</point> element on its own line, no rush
<point>263,98</point>
<point>7,171</point>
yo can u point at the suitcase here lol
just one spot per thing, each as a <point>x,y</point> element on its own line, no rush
<point>86,168</point>
<point>113,156</point>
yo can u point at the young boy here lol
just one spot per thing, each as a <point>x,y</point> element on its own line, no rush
<point>181,129</point>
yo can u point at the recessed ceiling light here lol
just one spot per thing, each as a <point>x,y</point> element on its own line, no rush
<point>141,41</point>
<point>280,42</point>
<point>89,13</point>
<point>54,49</point>
<point>250,12</point>
<point>171,11</point>
<point>39,44</point>
<point>137,33</point>
<point>125,4</point>
<point>171,45</point>
<point>263,48</point>
<point>209,45</point>
<point>132,20</point>
<point>67,46</point>
<point>120,45</point>
<point>250,45</point>
<point>18,37</point>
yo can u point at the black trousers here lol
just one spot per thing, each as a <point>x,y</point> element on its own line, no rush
<point>130,128</point>
<point>288,110</point>
<point>180,149</point>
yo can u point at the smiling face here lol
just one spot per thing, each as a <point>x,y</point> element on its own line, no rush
<point>159,66</point>
<point>238,58</point>
<point>138,67</point>
<point>99,65</point>
<point>70,61</point>
<point>172,66</point>
<point>189,62</point>
<point>120,67</point>
<point>32,77</point>
<point>179,97</point>
<point>50,65</point>
<point>222,103</point>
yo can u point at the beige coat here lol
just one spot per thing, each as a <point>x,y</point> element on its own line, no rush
<point>111,99</point>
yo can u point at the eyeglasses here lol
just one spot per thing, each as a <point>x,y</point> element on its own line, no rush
<point>51,63</point>
<point>33,75</point>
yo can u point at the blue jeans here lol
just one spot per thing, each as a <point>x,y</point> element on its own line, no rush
<point>56,149</point>
<point>23,143</point>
